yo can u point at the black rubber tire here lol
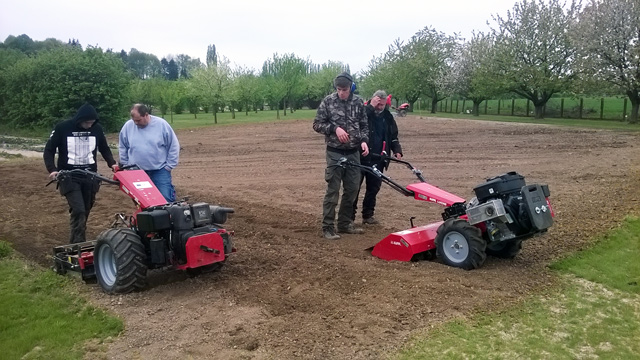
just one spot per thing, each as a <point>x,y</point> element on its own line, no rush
<point>120,261</point>
<point>505,249</point>
<point>460,244</point>
<point>402,113</point>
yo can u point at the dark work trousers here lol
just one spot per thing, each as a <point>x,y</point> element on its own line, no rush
<point>372,187</point>
<point>334,176</point>
<point>81,195</point>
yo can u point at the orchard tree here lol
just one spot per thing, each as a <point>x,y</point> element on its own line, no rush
<point>534,52</point>
<point>171,96</point>
<point>319,81</point>
<point>212,84</point>
<point>607,37</point>
<point>428,60</point>
<point>288,72</point>
<point>274,90</point>
<point>473,72</point>
<point>244,85</point>
<point>382,73</point>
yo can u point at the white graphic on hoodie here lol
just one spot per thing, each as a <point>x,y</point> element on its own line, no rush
<point>80,148</point>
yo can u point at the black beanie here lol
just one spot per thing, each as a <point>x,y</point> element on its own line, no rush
<point>86,112</point>
<point>343,80</point>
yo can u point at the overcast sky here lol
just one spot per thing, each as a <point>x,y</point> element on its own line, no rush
<point>247,32</point>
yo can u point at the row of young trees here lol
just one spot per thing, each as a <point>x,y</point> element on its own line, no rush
<point>540,48</point>
<point>43,82</point>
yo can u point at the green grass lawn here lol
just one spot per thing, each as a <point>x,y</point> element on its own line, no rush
<point>44,317</point>
<point>186,121</point>
<point>593,314</point>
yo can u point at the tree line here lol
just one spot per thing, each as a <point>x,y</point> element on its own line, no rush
<point>538,50</point>
<point>43,82</point>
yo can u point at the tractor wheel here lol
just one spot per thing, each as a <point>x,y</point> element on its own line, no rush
<point>460,244</point>
<point>120,261</point>
<point>505,249</point>
<point>402,113</point>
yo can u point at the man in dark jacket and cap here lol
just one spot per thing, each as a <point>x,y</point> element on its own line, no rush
<point>341,119</point>
<point>77,141</point>
<point>383,138</point>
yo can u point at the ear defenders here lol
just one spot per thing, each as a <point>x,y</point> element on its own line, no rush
<point>345,75</point>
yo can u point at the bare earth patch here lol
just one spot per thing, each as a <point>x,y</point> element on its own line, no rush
<point>289,294</point>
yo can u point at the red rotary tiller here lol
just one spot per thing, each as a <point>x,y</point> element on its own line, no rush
<point>504,212</point>
<point>158,234</point>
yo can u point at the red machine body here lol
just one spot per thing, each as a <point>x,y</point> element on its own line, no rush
<point>406,244</point>
<point>138,185</point>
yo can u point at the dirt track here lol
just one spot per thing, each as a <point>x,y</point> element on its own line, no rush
<point>289,294</point>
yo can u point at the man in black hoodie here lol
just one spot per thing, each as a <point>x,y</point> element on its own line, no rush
<point>383,137</point>
<point>77,141</point>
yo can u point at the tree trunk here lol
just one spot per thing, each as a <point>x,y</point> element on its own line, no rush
<point>476,108</point>
<point>434,104</point>
<point>635,102</point>
<point>246,109</point>
<point>215,115</point>
<point>539,111</point>
<point>284,107</point>
<point>233,112</point>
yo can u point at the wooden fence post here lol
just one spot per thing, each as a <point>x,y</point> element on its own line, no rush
<point>580,109</point>
<point>601,108</point>
<point>561,108</point>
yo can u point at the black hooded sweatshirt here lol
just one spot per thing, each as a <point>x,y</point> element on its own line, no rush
<point>77,147</point>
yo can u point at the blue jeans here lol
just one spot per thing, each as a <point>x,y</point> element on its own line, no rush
<point>162,180</point>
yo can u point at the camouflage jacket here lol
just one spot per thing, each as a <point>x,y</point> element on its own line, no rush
<point>348,114</point>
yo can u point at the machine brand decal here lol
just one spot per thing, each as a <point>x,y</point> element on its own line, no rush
<point>395,243</point>
<point>142,185</point>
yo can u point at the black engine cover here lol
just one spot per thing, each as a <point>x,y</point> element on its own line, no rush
<point>499,186</point>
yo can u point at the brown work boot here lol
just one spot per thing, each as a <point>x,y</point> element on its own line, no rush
<point>351,229</point>
<point>370,221</point>
<point>330,234</point>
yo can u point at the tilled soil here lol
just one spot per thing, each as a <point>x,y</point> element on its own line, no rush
<point>287,293</point>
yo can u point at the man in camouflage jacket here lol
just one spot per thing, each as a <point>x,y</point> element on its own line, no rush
<point>341,118</point>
